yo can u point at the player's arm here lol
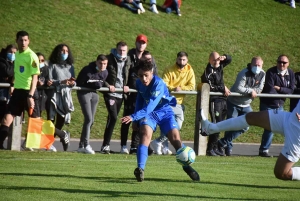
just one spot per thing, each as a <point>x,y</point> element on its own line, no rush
<point>158,93</point>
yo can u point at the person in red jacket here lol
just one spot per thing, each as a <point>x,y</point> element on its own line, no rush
<point>172,5</point>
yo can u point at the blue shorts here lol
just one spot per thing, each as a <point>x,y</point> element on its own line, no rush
<point>164,118</point>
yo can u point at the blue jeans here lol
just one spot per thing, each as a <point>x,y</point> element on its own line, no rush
<point>267,136</point>
<point>232,112</point>
<point>175,6</point>
<point>129,7</point>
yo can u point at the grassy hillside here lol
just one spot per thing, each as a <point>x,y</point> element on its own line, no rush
<point>241,28</point>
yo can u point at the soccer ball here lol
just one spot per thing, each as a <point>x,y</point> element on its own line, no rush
<point>185,156</point>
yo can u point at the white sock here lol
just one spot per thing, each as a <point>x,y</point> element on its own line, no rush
<point>232,124</point>
<point>296,173</point>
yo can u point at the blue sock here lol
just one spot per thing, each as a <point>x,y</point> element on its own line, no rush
<point>142,156</point>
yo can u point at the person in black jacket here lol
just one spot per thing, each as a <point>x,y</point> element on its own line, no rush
<point>7,57</point>
<point>118,67</point>
<point>279,80</point>
<point>135,54</point>
<point>213,75</point>
<point>91,76</point>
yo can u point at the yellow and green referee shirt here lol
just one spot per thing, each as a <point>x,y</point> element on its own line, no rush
<point>25,65</point>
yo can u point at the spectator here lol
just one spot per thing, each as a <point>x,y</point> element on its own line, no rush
<point>23,86</point>
<point>172,5</point>
<point>135,54</point>
<point>249,82</point>
<point>153,108</point>
<point>132,5</point>
<point>91,76</point>
<point>179,77</point>
<point>61,76</point>
<point>294,101</point>
<point>7,58</point>
<point>279,80</point>
<point>118,67</point>
<point>213,75</point>
<point>42,93</point>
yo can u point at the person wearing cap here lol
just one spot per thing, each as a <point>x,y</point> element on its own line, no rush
<point>118,67</point>
<point>135,54</point>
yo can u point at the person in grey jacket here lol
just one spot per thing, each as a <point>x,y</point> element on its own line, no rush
<point>61,74</point>
<point>249,82</point>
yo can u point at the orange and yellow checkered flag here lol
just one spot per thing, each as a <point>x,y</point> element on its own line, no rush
<point>40,133</point>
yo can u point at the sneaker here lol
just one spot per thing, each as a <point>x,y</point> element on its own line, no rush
<point>89,150</point>
<point>228,151</point>
<point>166,151</point>
<point>26,148</point>
<point>124,150</point>
<point>133,151</point>
<point>150,151</point>
<point>292,4</point>
<point>142,8</point>
<point>65,141</point>
<point>138,11</point>
<point>211,153</point>
<point>204,124</point>
<point>178,12</point>
<point>265,154</point>
<point>193,174</point>
<point>105,149</point>
<point>52,148</point>
<point>220,150</point>
<point>157,146</point>
<point>154,9</point>
<point>139,174</point>
<point>81,150</point>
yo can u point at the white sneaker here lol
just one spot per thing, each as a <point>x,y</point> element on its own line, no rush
<point>81,150</point>
<point>142,8</point>
<point>166,151</point>
<point>89,150</point>
<point>204,124</point>
<point>124,150</point>
<point>105,149</point>
<point>157,146</point>
<point>292,4</point>
<point>52,148</point>
<point>26,148</point>
<point>154,9</point>
<point>138,11</point>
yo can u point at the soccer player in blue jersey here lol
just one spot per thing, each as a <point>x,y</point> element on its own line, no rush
<point>153,107</point>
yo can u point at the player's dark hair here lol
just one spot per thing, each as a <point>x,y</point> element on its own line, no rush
<point>146,53</point>
<point>55,57</point>
<point>121,43</point>
<point>40,54</point>
<point>21,34</point>
<point>101,57</point>
<point>182,54</point>
<point>144,66</point>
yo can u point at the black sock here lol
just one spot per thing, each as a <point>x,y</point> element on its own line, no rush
<point>3,133</point>
<point>59,133</point>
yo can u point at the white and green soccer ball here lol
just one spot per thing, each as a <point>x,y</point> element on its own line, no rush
<point>185,156</point>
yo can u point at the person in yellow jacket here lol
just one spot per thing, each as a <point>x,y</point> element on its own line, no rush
<point>179,77</point>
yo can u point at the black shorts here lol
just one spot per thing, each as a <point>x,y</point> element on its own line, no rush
<point>18,103</point>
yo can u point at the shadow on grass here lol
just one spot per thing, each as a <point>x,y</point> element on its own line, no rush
<point>113,193</point>
<point>133,180</point>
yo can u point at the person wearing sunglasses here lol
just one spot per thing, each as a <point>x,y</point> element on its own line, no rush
<point>279,80</point>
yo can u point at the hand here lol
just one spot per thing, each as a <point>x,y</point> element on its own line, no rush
<point>71,82</point>
<point>30,102</point>
<point>222,58</point>
<point>177,89</point>
<point>253,94</point>
<point>277,88</point>
<point>112,88</point>
<point>11,89</point>
<point>126,89</point>
<point>227,92</point>
<point>49,82</point>
<point>298,116</point>
<point>126,119</point>
<point>135,126</point>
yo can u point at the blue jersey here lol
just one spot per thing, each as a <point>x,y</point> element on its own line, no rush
<point>154,98</point>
